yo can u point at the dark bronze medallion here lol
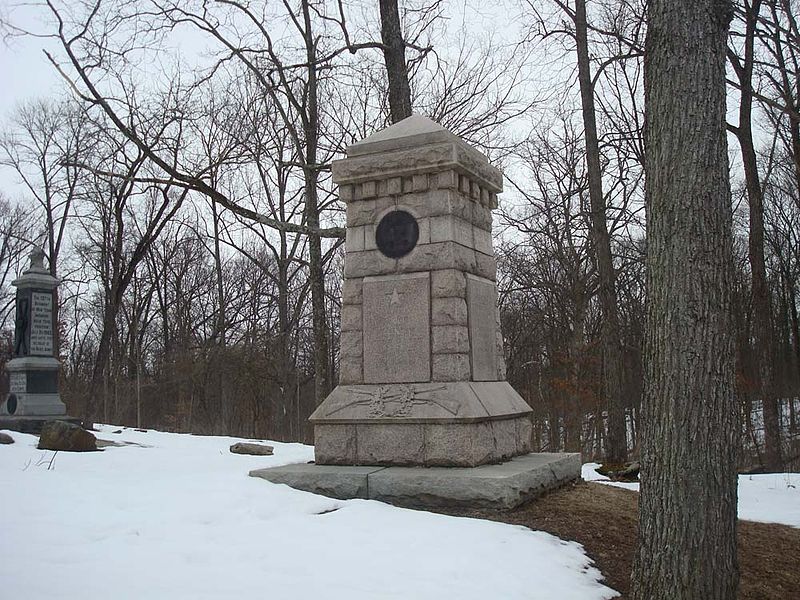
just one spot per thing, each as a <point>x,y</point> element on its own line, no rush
<point>397,234</point>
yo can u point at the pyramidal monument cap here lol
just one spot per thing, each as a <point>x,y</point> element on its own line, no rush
<point>415,130</point>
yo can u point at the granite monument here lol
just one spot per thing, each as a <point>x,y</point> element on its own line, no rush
<point>422,413</point>
<point>33,396</point>
<point>422,375</point>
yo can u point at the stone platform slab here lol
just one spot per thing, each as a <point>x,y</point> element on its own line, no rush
<point>505,485</point>
<point>31,424</point>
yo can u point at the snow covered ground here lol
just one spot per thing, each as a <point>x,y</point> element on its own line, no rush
<point>177,517</point>
<point>773,498</point>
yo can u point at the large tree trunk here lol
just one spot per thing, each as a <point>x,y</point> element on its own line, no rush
<point>617,448</point>
<point>394,54</point>
<point>687,505</point>
<point>762,327</point>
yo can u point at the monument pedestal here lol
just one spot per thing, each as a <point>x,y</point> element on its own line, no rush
<point>33,387</point>
<point>458,424</point>
<point>422,413</point>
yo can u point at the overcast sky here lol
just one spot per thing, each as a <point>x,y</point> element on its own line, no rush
<point>24,70</point>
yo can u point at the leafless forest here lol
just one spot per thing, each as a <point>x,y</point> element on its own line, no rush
<point>180,186</point>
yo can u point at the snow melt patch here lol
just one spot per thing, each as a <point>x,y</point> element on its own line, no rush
<point>176,516</point>
<point>769,498</point>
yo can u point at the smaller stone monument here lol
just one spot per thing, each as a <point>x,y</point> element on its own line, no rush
<point>33,395</point>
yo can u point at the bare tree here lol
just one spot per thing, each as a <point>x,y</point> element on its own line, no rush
<point>15,233</point>
<point>742,64</point>
<point>553,268</point>
<point>577,29</point>
<point>122,220</point>
<point>42,145</point>
<point>617,450</point>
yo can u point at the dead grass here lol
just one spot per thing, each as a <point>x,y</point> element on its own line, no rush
<point>604,520</point>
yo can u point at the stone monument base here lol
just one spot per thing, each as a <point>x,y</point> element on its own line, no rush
<point>33,424</point>
<point>503,486</point>
<point>435,424</point>
<point>33,388</point>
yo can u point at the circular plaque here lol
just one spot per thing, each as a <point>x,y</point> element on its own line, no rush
<point>11,404</point>
<point>397,234</point>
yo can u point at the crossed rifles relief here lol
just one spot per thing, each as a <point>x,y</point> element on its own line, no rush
<point>398,400</point>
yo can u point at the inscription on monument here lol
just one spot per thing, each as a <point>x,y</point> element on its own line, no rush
<point>17,382</point>
<point>41,324</point>
<point>397,342</point>
<point>481,299</point>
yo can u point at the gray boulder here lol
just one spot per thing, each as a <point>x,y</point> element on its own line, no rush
<point>620,471</point>
<point>250,448</point>
<point>60,435</point>
<point>6,439</point>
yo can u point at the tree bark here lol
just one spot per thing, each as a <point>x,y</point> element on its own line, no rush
<point>394,55</point>
<point>617,445</point>
<point>687,504</point>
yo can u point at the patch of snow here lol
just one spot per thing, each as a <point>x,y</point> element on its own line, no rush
<point>589,474</point>
<point>769,498</point>
<point>176,516</point>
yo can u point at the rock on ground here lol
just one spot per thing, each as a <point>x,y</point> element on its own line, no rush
<point>60,435</point>
<point>6,439</point>
<point>250,448</point>
<point>620,472</point>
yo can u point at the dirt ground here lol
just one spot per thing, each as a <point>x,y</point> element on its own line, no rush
<point>604,520</point>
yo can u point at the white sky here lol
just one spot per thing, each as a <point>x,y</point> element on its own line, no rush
<point>24,70</point>
<point>25,73</point>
